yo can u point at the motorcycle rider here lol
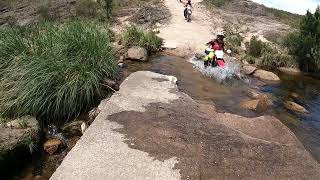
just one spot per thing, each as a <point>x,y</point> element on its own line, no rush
<point>185,9</point>
<point>213,46</point>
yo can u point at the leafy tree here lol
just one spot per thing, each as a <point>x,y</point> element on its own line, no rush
<point>305,43</point>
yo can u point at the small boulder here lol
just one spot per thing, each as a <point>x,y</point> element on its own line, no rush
<point>109,82</point>
<point>73,128</point>
<point>72,142</point>
<point>266,75</point>
<point>93,113</point>
<point>257,95</point>
<point>248,70</point>
<point>137,53</point>
<point>296,107</point>
<point>258,105</point>
<point>52,145</point>
<point>290,71</point>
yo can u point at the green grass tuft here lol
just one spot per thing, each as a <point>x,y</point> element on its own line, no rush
<point>53,72</point>
<point>133,36</point>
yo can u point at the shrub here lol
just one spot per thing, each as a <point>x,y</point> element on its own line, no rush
<point>250,59</point>
<point>52,71</point>
<point>305,44</point>
<point>133,36</point>
<point>255,47</point>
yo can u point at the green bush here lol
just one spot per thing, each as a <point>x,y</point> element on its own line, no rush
<point>133,36</point>
<point>255,47</point>
<point>249,59</point>
<point>53,72</point>
<point>305,43</point>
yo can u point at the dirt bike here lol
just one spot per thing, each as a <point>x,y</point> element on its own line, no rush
<point>215,58</point>
<point>188,13</point>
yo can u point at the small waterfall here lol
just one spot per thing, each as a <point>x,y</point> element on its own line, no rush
<point>220,74</point>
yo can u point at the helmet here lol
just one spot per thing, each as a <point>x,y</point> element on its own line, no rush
<point>221,34</point>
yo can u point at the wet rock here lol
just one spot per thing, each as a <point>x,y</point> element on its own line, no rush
<point>109,82</point>
<point>73,128</point>
<point>248,70</point>
<point>93,113</point>
<point>52,145</point>
<point>291,71</point>
<point>258,105</point>
<point>296,107</point>
<point>257,95</point>
<point>72,142</point>
<point>137,53</point>
<point>15,134</point>
<point>83,127</point>
<point>266,75</point>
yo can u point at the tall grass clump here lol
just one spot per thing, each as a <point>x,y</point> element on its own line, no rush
<point>133,36</point>
<point>53,72</point>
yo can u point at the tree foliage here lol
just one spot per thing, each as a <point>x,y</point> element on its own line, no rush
<point>305,43</point>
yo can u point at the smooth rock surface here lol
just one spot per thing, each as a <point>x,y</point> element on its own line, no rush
<point>291,71</point>
<point>266,75</point>
<point>137,53</point>
<point>150,130</point>
<point>296,107</point>
<point>248,70</point>
<point>256,104</point>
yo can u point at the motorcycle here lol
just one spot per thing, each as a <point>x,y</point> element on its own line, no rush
<point>188,12</point>
<point>215,58</point>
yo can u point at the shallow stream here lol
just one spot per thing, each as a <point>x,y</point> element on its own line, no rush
<point>226,95</point>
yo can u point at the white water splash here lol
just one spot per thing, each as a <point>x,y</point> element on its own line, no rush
<point>220,74</point>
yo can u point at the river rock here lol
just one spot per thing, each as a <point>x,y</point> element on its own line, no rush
<point>266,75</point>
<point>137,53</point>
<point>296,107</point>
<point>52,145</point>
<point>248,70</point>
<point>258,105</point>
<point>13,135</point>
<point>109,82</point>
<point>257,95</point>
<point>291,71</point>
<point>93,113</point>
<point>73,128</point>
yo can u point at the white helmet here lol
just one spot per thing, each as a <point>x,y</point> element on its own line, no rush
<point>221,34</point>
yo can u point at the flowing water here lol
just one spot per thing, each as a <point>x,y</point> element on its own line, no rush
<point>218,86</point>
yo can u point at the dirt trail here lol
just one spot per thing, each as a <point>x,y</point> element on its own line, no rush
<point>187,35</point>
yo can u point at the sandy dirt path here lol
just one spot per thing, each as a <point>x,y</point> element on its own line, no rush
<point>188,35</point>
